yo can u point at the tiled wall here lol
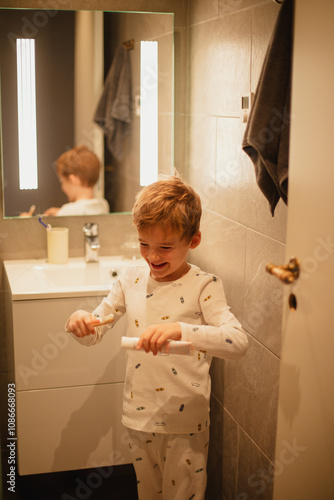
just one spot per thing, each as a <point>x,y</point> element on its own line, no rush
<point>223,55</point>
<point>227,40</point>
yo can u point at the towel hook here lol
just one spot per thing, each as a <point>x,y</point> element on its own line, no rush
<point>277,1</point>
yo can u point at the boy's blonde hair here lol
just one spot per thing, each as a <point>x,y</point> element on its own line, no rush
<point>79,161</point>
<point>171,204</point>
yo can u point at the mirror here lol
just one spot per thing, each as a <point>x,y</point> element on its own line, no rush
<point>74,52</point>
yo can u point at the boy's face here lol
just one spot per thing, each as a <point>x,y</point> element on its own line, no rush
<point>165,253</point>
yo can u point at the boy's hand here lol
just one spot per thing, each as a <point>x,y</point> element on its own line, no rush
<point>80,323</point>
<point>156,335</point>
<point>52,211</point>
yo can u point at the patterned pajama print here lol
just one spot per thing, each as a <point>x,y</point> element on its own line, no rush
<point>168,395</point>
<point>172,464</point>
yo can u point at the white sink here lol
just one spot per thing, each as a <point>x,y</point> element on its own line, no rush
<point>38,279</point>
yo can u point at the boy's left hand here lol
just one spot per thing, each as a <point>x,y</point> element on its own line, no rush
<point>156,335</point>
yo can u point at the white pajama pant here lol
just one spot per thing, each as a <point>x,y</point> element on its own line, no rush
<point>170,466</point>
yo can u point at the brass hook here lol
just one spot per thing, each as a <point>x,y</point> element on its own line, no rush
<point>288,273</point>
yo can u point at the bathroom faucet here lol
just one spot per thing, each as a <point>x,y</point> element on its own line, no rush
<point>92,245</point>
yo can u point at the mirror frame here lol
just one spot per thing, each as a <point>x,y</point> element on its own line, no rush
<point>72,5</point>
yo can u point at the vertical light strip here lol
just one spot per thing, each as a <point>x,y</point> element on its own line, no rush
<point>26,103</point>
<point>148,112</point>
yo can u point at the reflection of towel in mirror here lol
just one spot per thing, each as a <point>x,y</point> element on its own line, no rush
<point>113,113</point>
<point>266,138</point>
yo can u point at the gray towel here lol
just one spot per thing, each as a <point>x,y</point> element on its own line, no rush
<point>113,113</point>
<point>266,138</point>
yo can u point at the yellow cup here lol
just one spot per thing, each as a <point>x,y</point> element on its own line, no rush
<point>57,245</point>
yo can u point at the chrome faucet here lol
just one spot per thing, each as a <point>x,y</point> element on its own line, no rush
<point>92,245</point>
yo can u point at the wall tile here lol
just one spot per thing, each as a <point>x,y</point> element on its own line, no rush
<point>215,457</point>
<point>30,236</point>
<point>236,194</point>
<point>222,252</point>
<point>199,11</point>
<point>220,65</point>
<point>229,6</point>
<point>263,21</point>
<point>217,378</point>
<point>263,308</point>
<point>232,180</point>
<point>226,56</point>
<point>202,158</point>
<point>258,215</point>
<point>230,456</point>
<point>255,471</point>
<point>223,454</point>
<point>251,394</point>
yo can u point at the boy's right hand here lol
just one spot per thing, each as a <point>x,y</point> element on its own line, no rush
<point>80,323</point>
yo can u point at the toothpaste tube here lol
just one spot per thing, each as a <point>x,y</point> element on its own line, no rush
<point>169,347</point>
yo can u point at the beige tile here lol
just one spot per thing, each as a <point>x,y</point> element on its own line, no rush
<point>30,236</point>
<point>263,309</point>
<point>223,454</point>
<point>219,72</point>
<point>216,445</point>
<point>256,211</point>
<point>231,181</point>
<point>237,194</point>
<point>230,455</point>
<point>114,231</point>
<point>217,377</point>
<point>229,6</point>
<point>263,22</point>
<point>146,26</point>
<point>201,161</point>
<point>222,252</point>
<point>255,471</point>
<point>199,11</point>
<point>251,394</point>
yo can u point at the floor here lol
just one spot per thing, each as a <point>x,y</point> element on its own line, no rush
<point>105,483</point>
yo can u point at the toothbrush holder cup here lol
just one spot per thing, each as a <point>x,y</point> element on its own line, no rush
<point>57,245</point>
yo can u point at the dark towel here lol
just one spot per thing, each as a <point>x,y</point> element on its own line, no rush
<point>113,113</point>
<point>266,138</point>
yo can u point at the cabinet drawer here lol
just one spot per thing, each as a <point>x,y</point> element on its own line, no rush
<point>70,428</point>
<point>48,357</point>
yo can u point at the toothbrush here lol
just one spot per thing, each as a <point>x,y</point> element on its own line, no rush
<point>32,210</point>
<point>47,226</point>
<point>104,321</point>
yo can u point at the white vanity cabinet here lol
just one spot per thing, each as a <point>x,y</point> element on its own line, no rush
<point>68,396</point>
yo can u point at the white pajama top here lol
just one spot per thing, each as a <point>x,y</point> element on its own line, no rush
<point>91,206</point>
<point>170,393</point>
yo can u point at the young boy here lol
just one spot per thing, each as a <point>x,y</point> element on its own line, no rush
<point>166,397</point>
<point>78,171</point>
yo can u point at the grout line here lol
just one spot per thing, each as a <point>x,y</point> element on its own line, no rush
<point>263,345</point>
<point>244,225</point>
<point>251,439</point>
